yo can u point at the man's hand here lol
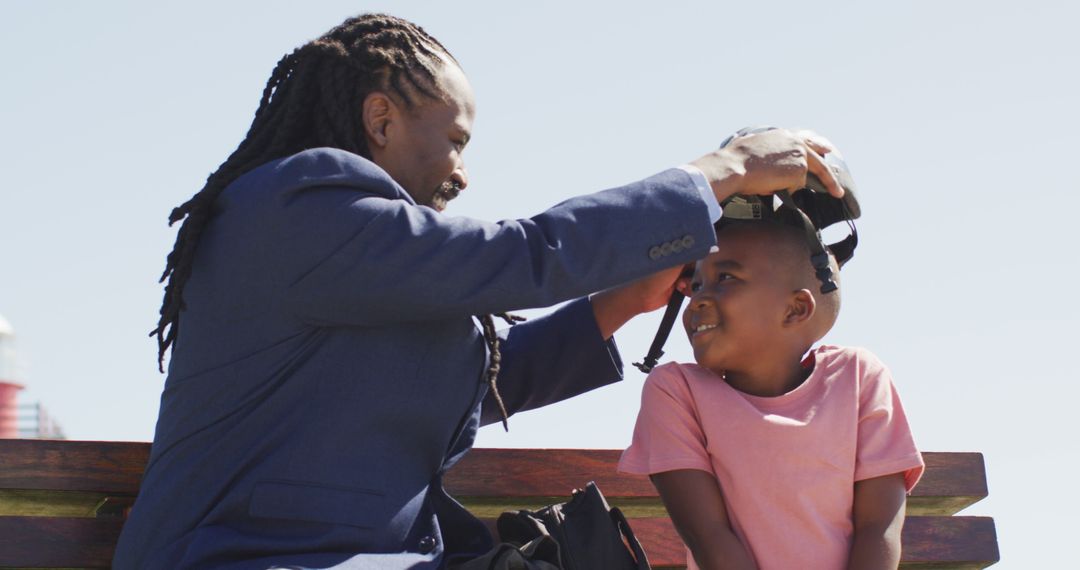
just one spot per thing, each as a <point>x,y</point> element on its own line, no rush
<point>766,162</point>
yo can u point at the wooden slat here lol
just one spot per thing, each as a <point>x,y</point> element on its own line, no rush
<point>929,542</point>
<point>952,480</point>
<point>958,543</point>
<point>96,466</point>
<point>37,475</point>
<point>951,483</point>
<point>489,481</point>
<point>49,542</point>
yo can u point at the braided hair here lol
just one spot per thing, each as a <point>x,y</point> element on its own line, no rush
<point>314,98</point>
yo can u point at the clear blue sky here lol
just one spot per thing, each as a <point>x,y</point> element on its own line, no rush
<point>959,120</point>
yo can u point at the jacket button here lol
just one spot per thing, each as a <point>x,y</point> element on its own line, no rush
<point>654,252</point>
<point>688,241</point>
<point>427,544</point>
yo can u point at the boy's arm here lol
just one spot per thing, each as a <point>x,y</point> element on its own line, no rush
<point>878,515</point>
<point>696,505</point>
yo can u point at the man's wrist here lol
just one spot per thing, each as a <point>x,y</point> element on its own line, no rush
<point>610,311</point>
<point>708,195</point>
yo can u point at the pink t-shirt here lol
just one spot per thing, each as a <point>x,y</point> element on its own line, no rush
<point>786,465</point>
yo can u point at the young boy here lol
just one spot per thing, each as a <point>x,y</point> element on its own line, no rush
<point>764,455</point>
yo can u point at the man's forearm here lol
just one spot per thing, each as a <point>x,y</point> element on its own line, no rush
<point>614,307</point>
<point>612,311</point>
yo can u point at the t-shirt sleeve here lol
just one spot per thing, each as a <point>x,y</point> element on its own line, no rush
<point>885,442</point>
<point>667,435</point>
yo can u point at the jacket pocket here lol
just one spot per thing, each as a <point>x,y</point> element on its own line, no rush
<point>312,502</point>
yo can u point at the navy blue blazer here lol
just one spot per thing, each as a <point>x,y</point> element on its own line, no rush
<point>327,370</point>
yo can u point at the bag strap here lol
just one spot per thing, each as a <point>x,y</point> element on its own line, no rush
<point>628,533</point>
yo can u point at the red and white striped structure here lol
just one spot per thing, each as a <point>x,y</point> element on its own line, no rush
<point>9,411</point>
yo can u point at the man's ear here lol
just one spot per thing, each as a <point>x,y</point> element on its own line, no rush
<point>800,308</point>
<point>378,111</point>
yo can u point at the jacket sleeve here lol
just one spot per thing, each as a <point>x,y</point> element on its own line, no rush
<point>367,260</point>
<point>552,358</point>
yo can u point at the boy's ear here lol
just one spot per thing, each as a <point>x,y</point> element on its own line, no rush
<point>800,308</point>
<point>377,113</point>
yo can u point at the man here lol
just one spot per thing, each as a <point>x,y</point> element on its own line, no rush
<point>328,370</point>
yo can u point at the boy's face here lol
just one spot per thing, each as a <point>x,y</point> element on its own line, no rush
<point>740,299</point>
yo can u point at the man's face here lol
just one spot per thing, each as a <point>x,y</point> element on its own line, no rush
<point>740,296</point>
<point>424,143</point>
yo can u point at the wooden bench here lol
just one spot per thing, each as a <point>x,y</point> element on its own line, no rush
<point>62,503</point>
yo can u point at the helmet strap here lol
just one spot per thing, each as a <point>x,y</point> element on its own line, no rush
<point>819,256</point>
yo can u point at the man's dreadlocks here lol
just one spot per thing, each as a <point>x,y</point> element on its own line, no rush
<point>314,98</point>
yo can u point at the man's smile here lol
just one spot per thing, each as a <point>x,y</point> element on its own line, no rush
<point>447,191</point>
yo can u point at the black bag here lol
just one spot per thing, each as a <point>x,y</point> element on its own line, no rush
<point>540,554</point>
<point>588,532</point>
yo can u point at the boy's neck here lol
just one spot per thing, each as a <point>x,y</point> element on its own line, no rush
<point>771,377</point>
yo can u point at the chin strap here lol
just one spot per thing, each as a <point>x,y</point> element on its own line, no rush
<point>671,314</point>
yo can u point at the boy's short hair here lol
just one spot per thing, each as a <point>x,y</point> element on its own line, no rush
<point>793,254</point>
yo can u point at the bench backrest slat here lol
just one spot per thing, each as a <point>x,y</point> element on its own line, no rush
<point>949,542</point>
<point>952,481</point>
<point>98,466</point>
<point>63,484</point>
<point>50,542</point>
<point>88,543</point>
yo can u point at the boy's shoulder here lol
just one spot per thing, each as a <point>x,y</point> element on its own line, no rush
<point>684,371</point>
<point>844,355</point>
<point>679,380</point>
<point>855,363</point>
